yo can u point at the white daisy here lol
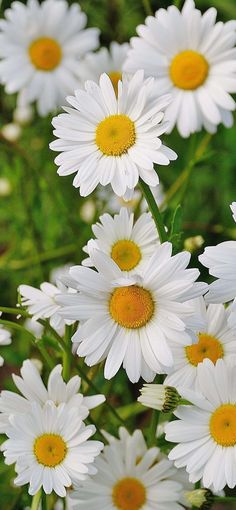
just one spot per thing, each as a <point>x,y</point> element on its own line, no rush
<point>5,339</point>
<point>129,244</point>
<point>40,47</point>
<point>41,303</point>
<point>193,58</point>
<point>206,430</point>
<point>216,341</point>
<point>105,139</point>
<point>221,261</point>
<point>32,389</point>
<point>132,319</point>
<point>50,448</point>
<point>104,61</point>
<point>130,477</point>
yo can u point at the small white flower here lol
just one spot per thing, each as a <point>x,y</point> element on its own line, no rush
<point>50,448</point>
<point>41,303</point>
<point>5,339</point>
<point>32,389</point>
<point>193,58</point>
<point>132,319</point>
<point>41,46</point>
<point>104,61</point>
<point>11,132</point>
<point>129,244</point>
<point>216,341</point>
<point>206,431</point>
<point>130,477</point>
<point>5,187</point>
<point>160,397</point>
<point>112,140</point>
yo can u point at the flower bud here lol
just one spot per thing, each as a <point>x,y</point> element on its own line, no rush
<point>200,498</point>
<point>193,243</point>
<point>160,397</point>
<point>11,132</point>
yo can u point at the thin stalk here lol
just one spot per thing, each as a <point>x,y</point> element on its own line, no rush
<point>226,499</point>
<point>14,311</point>
<point>67,354</point>
<point>147,7</point>
<point>36,500</point>
<point>154,210</point>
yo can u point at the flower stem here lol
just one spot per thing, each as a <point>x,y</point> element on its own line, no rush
<point>227,499</point>
<point>67,354</point>
<point>154,210</point>
<point>36,500</point>
<point>147,7</point>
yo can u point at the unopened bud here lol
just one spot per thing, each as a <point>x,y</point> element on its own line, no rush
<point>160,397</point>
<point>200,498</point>
<point>11,132</point>
<point>193,243</point>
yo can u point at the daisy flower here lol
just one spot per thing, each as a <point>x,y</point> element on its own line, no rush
<point>206,430</point>
<point>130,477</point>
<point>112,140</point>
<point>132,319</point>
<point>41,46</point>
<point>193,58</point>
<point>216,341</point>
<point>41,303</point>
<point>5,339</point>
<point>129,244</point>
<point>50,448</point>
<point>104,61</point>
<point>32,389</point>
<point>221,261</point>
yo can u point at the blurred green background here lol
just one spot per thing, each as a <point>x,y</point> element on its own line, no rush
<point>43,220</point>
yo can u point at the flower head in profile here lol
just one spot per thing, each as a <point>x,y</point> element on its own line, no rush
<point>160,397</point>
<point>132,319</point>
<point>130,477</point>
<point>217,340</point>
<point>5,339</point>
<point>32,389</point>
<point>221,262</point>
<point>206,431</point>
<point>129,244</point>
<point>193,58</point>
<point>40,47</point>
<point>112,140</point>
<point>51,448</point>
<point>109,61</point>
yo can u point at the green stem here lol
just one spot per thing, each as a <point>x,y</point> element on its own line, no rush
<point>67,354</point>
<point>42,257</point>
<point>153,428</point>
<point>154,210</point>
<point>185,174</point>
<point>147,7</point>
<point>227,499</point>
<point>14,311</point>
<point>36,500</point>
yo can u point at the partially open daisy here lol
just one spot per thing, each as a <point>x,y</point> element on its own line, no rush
<point>40,47</point>
<point>193,58</point>
<point>5,339</point>
<point>32,389</point>
<point>206,430</point>
<point>107,139</point>
<point>129,244</point>
<point>130,477</point>
<point>41,303</point>
<point>221,261</point>
<point>104,61</point>
<point>216,341</point>
<point>50,447</point>
<point>132,319</point>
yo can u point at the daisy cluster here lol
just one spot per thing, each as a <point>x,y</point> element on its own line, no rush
<point>134,304</point>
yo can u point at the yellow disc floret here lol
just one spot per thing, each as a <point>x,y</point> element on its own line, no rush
<point>188,70</point>
<point>45,53</point>
<point>207,347</point>
<point>115,135</point>
<point>129,494</point>
<point>126,254</point>
<point>131,307</point>
<point>50,449</point>
<point>115,77</point>
<point>223,425</point>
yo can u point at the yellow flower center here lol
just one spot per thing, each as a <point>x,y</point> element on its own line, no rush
<point>131,307</point>
<point>115,77</point>
<point>50,449</point>
<point>223,425</point>
<point>45,53</point>
<point>188,70</point>
<point>207,347</point>
<point>126,254</point>
<point>129,494</point>
<point>115,135</point>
